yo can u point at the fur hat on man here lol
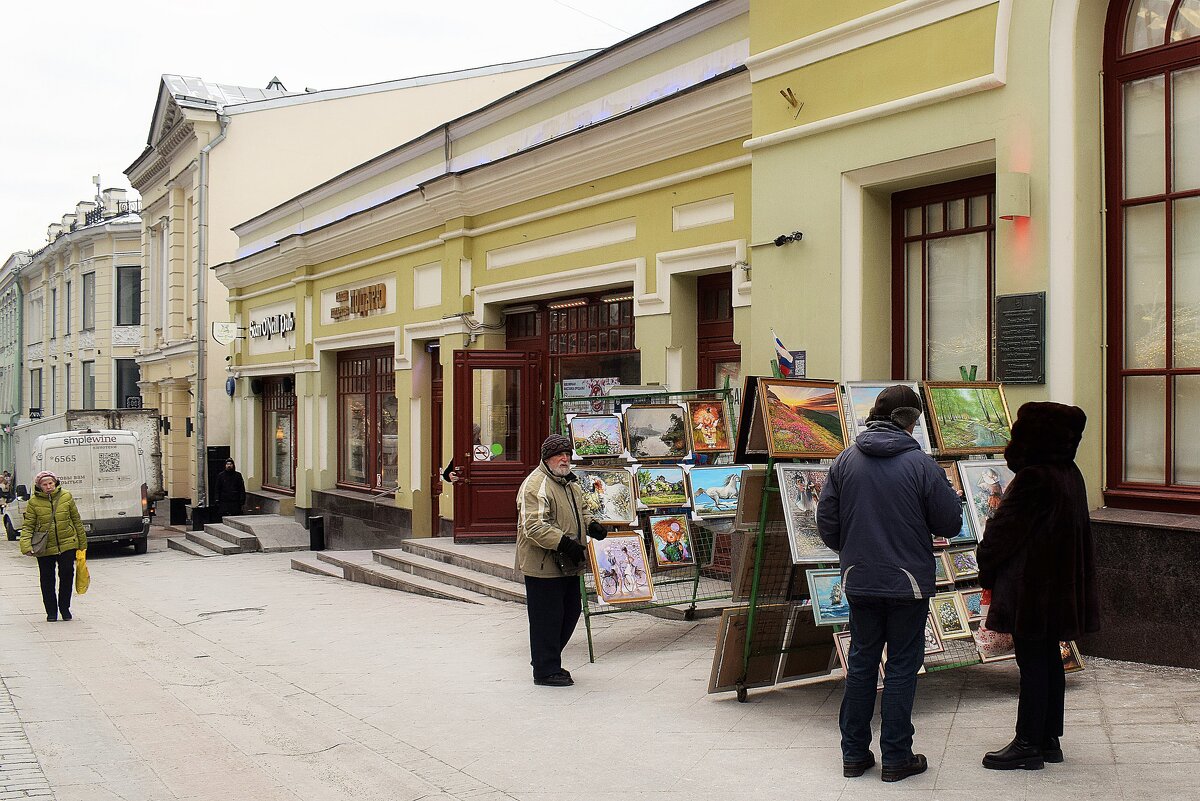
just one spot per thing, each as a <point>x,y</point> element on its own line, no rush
<point>554,445</point>
<point>897,404</point>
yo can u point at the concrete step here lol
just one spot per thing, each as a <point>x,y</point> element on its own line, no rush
<point>361,566</point>
<point>312,563</point>
<point>462,556</point>
<point>195,549</point>
<point>247,542</point>
<point>453,575</point>
<point>212,543</point>
<point>275,534</point>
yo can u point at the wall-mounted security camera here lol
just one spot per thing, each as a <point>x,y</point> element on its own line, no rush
<point>783,239</point>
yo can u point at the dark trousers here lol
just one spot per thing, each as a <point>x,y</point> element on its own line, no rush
<point>553,605</point>
<point>65,562</point>
<point>1043,690</point>
<point>898,623</point>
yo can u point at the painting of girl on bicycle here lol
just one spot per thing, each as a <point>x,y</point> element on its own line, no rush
<point>621,568</point>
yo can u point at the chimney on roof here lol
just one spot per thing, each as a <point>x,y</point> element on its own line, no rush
<point>81,212</point>
<point>53,231</point>
<point>112,200</point>
<point>68,223</point>
<point>275,83</point>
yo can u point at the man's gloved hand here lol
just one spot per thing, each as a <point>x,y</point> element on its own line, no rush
<point>596,531</point>
<point>571,549</point>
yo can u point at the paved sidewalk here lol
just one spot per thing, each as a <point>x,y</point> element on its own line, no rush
<point>20,774</point>
<point>238,679</point>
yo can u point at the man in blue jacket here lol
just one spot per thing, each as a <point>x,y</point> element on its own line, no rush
<point>884,502</point>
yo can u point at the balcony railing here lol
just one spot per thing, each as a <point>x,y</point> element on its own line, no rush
<point>123,207</point>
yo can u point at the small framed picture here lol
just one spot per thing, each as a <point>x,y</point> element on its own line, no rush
<point>608,494</point>
<point>963,563</point>
<point>941,570</point>
<point>621,568</point>
<point>861,397</point>
<point>803,418</point>
<point>800,488</point>
<point>950,616</point>
<point>972,599</point>
<point>672,538</point>
<point>716,490</point>
<point>661,486</point>
<point>966,533</point>
<point>596,436</point>
<point>951,470</point>
<point>656,432</point>
<point>709,427</point>
<point>1072,659</point>
<point>984,481</point>
<point>933,640</point>
<point>969,417</point>
<point>830,605</point>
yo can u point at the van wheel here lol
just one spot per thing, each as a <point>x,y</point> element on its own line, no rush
<point>139,546</point>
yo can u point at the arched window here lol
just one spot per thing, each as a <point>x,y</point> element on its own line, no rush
<point>1152,163</point>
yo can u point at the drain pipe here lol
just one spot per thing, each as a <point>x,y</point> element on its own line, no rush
<point>202,326</point>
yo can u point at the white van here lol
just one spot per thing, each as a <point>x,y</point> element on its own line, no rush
<point>106,475</point>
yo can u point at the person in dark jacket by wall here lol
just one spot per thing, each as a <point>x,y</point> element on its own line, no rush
<point>884,502</point>
<point>230,490</point>
<point>1036,559</point>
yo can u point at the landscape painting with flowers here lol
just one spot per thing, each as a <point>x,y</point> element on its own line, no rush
<point>804,418</point>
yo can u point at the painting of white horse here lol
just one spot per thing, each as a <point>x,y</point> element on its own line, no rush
<point>715,490</point>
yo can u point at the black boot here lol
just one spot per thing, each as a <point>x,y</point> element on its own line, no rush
<point>1051,750</point>
<point>1017,754</point>
<point>894,773</point>
<point>856,768</point>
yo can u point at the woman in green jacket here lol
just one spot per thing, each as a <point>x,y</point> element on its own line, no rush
<point>52,510</point>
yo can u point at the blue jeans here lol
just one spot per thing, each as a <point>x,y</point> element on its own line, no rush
<point>900,624</point>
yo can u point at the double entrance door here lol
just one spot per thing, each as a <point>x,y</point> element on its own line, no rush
<point>500,420</point>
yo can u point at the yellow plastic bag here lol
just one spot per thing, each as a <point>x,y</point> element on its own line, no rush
<point>82,579</point>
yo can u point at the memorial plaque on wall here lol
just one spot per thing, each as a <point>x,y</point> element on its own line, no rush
<point>1021,338</point>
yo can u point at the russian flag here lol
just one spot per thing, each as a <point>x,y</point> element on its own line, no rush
<point>786,365</point>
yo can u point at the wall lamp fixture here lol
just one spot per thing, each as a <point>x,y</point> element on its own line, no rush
<point>783,239</point>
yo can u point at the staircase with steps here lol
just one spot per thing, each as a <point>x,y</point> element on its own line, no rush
<point>243,534</point>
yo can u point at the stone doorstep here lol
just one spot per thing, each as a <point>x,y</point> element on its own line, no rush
<point>464,556</point>
<point>212,543</point>
<point>453,575</point>
<point>312,563</point>
<point>192,548</point>
<point>275,534</point>
<point>247,542</point>
<point>361,567</point>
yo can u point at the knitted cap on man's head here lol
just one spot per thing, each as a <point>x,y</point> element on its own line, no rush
<point>554,445</point>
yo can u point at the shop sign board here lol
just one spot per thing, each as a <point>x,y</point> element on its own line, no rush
<point>1021,338</point>
<point>356,301</point>
<point>273,325</point>
<point>271,328</point>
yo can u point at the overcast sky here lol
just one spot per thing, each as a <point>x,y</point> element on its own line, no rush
<point>79,79</point>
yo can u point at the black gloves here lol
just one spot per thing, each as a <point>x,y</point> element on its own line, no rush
<point>596,531</point>
<point>571,549</point>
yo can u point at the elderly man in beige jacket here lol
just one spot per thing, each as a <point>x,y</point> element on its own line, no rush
<point>551,525</point>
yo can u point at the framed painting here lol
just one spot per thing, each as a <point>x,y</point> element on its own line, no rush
<point>941,570</point>
<point>727,666</point>
<point>973,600</point>
<point>800,489</point>
<point>621,568</point>
<point>984,481</point>
<point>950,616</point>
<point>751,445</point>
<point>993,646</point>
<point>750,498</point>
<point>660,486</point>
<point>951,469</point>
<point>596,436</point>
<point>803,418</point>
<point>829,602</point>
<point>608,494</point>
<point>966,532</point>
<point>933,640</point>
<point>716,491</point>
<point>672,540</point>
<point>656,432</point>
<point>708,426</point>
<point>1072,659</point>
<point>969,417</point>
<point>808,648</point>
<point>860,398</point>
<point>963,563</point>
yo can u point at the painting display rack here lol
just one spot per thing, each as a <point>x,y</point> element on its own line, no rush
<point>676,587</point>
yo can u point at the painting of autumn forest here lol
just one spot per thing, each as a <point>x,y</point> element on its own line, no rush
<point>970,419</point>
<point>802,421</point>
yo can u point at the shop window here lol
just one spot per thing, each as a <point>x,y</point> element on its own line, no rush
<point>1152,152</point>
<point>127,396</point>
<point>367,420</point>
<point>943,280</point>
<point>279,432</point>
<point>129,296</point>
<point>593,338</point>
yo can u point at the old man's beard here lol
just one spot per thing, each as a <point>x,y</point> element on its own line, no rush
<point>562,471</point>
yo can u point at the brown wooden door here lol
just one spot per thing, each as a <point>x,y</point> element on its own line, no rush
<point>500,419</point>
<point>435,442</point>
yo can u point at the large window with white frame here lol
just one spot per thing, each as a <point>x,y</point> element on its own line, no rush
<point>1152,152</point>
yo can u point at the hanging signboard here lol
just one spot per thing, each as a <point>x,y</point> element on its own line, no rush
<point>224,333</point>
